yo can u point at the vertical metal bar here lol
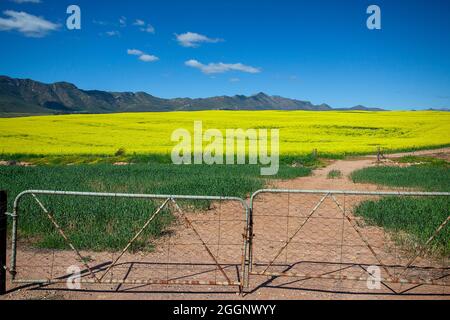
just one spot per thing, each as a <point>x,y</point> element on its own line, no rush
<point>247,249</point>
<point>3,225</point>
<point>12,268</point>
<point>250,238</point>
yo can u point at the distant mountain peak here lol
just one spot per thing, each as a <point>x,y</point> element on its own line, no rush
<point>63,84</point>
<point>261,94</point>
<point>32,97</point>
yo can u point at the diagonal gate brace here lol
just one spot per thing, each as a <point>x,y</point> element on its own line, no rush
<point>61,232</point>
<point>296,232</point>
<point>189,223</point>
<point>146,224</point>
<point>350,220</point>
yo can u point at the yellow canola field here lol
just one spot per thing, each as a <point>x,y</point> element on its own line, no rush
<point>335,132</point>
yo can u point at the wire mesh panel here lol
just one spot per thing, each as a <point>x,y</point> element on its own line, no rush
<point>126,239</point>
<point>352,241</point>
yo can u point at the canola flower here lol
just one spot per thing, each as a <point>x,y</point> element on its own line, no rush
<point>334,132</point>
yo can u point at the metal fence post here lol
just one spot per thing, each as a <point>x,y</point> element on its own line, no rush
<point>3,222</point>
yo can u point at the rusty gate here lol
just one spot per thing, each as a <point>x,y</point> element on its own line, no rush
<point>350,241</point>
<point>166,239</point>
<point>338,241</point>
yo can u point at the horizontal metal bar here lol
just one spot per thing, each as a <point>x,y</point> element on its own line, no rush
<point>316,244</point>
<point>352,278</point>
<point>134,282</point>
<point>355,264</point>
<point>127,195</point>
<point>345,192</point>
<point>299,216</point>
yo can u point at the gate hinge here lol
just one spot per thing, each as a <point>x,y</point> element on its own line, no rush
<point>12,273</point>
<point>248,237</point>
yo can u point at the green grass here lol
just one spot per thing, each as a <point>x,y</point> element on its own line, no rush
<point>410,219</point>
<point>74,159</point>
<point>423,161</point>
<point>108,224</point>
<point>309,161</point>
<point>424,177</point>
<point>334,174</point>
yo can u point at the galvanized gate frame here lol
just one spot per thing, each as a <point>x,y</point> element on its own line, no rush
<point>168,200</point>
<point>248,235</point>
<point>331,194</point>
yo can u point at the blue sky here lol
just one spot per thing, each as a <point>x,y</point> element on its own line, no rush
<point>319,51</point>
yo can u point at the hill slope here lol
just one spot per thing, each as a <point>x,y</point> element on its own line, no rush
<point>32,97</point>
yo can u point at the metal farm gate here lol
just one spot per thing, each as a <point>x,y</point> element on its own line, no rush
<point>333,241</point>
<point>200,242</point>
<point>348,241</point>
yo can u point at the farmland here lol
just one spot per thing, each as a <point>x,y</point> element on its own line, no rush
<point>122,217</point>
<point>333,133</point>
<point>417,217</point>
<point>80,153</point>
<point>144,139</point>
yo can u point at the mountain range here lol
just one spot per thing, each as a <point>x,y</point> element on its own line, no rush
<point>25,96</point>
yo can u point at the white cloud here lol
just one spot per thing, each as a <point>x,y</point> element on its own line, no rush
<point>149,28</point>
<point>135,52</point>
<point>26,1</point>
<point>113,33</point>
<point>221,67</point>
<point>29,25</point>
<point>235,80</point>
<point>142,55</point>
<point>99,22</point>
<point>139,22</point>
<point>145,27</point>
<point>192,39</point>
<point>123,21</point>
<point>148,58</point>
